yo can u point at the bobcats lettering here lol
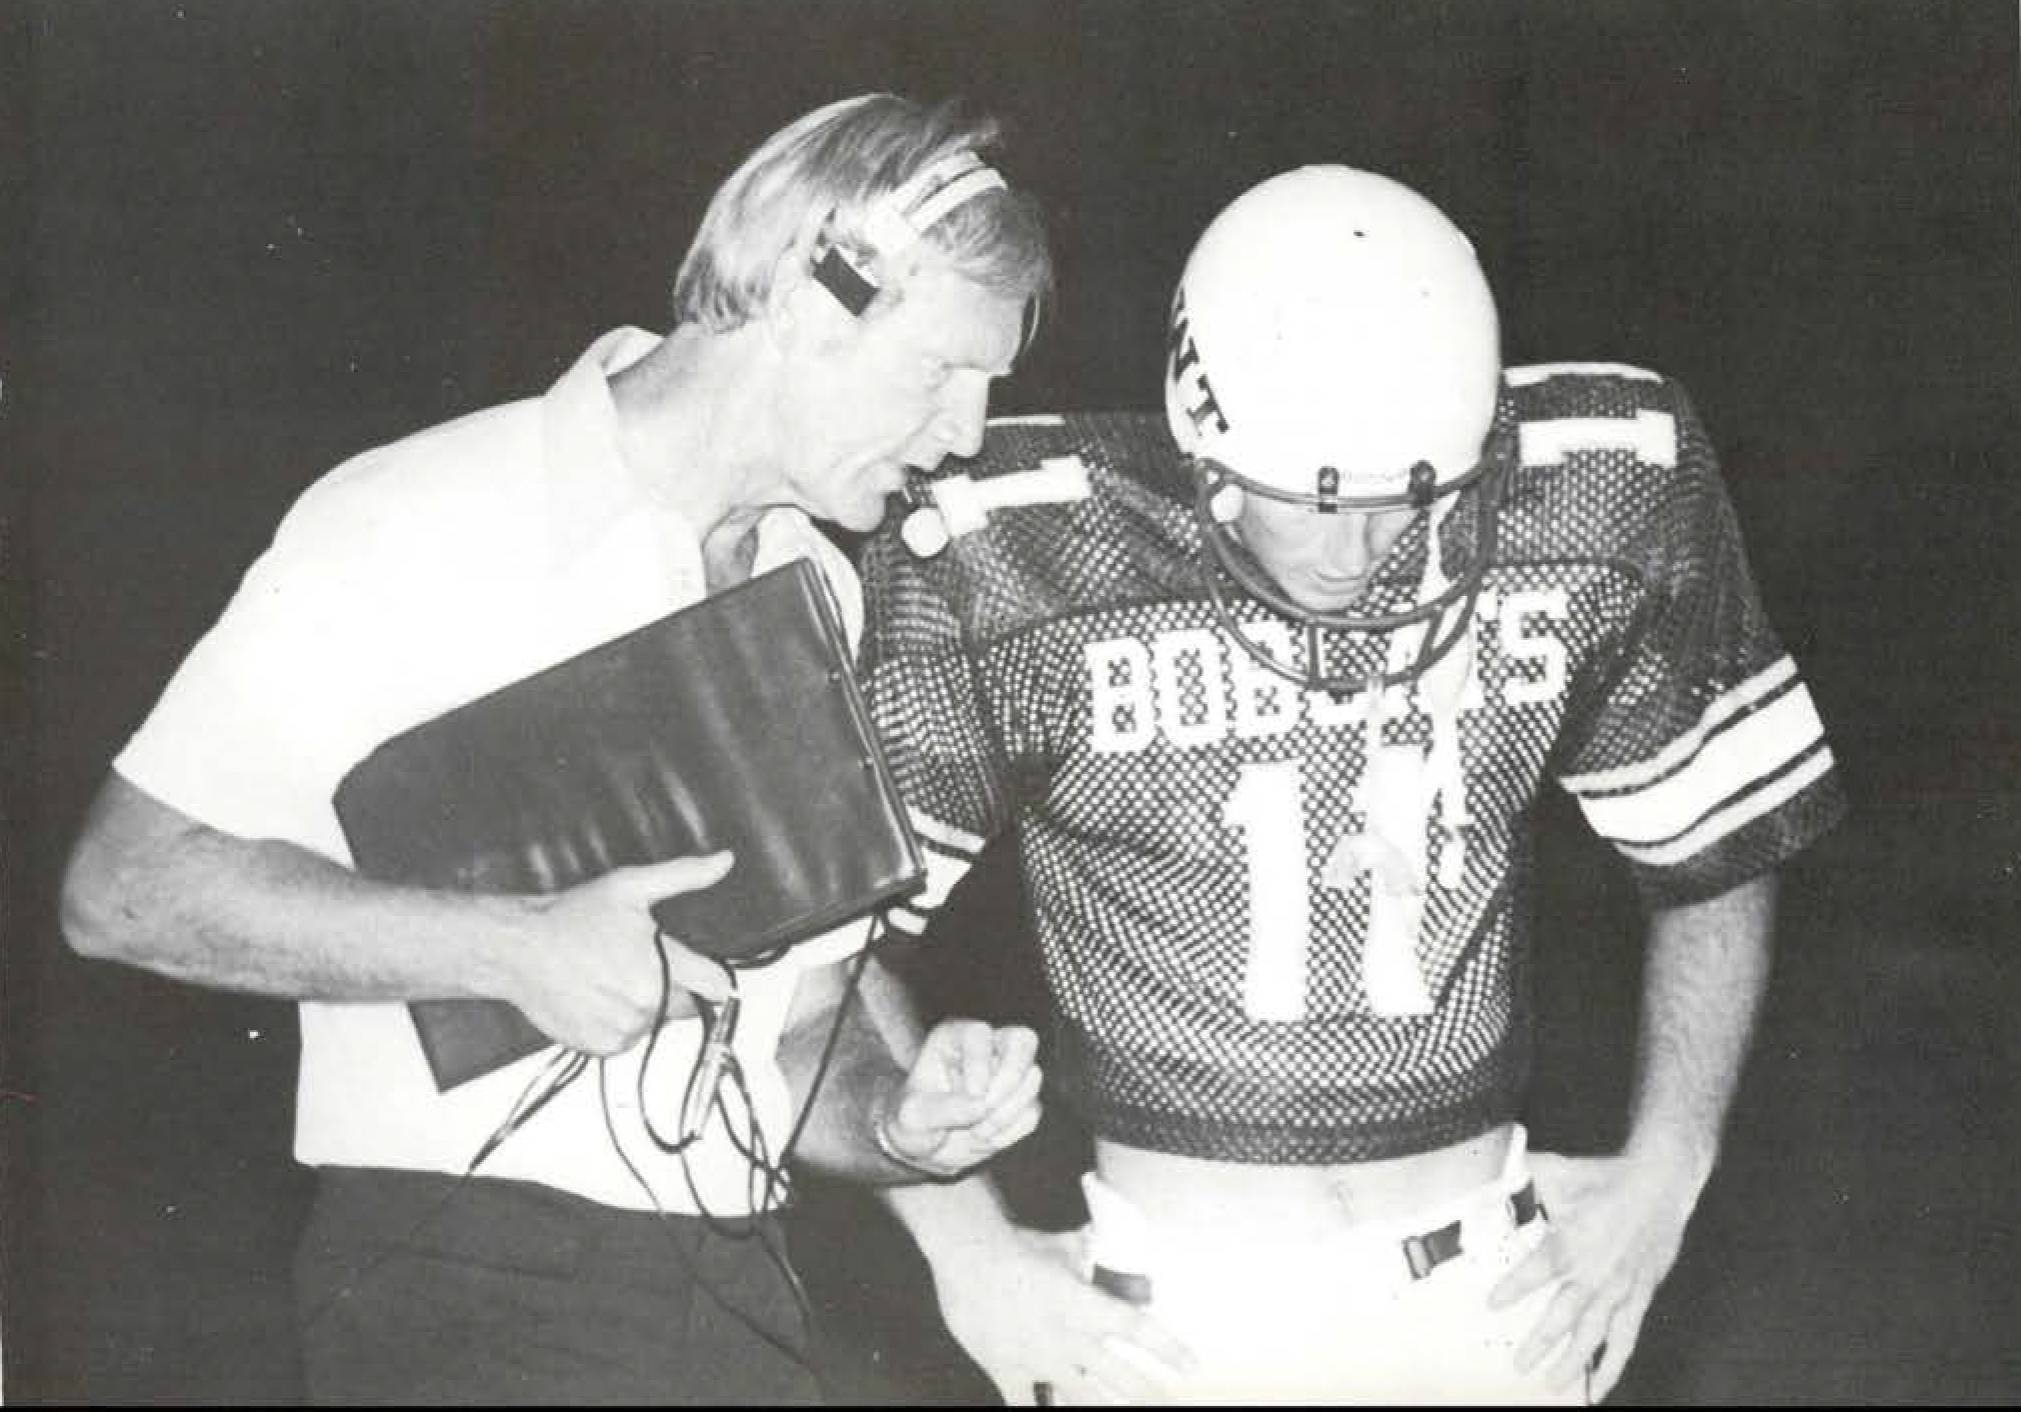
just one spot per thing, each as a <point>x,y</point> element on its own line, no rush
<point>1192,687</point>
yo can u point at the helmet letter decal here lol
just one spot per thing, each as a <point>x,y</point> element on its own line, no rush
<point>1184,359</point>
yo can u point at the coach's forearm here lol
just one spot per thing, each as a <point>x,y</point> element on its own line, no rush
<point>1706,973</point>
<point>959,1224</point>
<point>859,1087</point>
<point>867,1060</point>
<point>150,887</point>
<point>898,1108</point>
<point>954,1223</point>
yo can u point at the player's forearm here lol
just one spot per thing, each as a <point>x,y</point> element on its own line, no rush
<point>1707,969</point>
<point>149,887</point>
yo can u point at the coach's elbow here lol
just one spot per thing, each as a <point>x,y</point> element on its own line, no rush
<point>98,912</point>
<point>112,885</point>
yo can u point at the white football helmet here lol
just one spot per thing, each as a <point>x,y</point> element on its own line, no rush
<point>1334,344</point>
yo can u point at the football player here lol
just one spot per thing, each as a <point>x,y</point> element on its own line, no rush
<point>1266,690</point>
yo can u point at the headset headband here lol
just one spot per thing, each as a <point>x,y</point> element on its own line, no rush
<point>901,216</point>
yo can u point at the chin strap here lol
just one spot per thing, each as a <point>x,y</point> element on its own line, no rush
<point>1441,691</point>
<point>1412,801</point>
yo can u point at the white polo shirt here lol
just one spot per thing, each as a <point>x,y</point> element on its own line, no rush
<point>409,580</point>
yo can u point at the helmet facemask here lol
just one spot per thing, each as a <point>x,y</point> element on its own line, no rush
<point>1335,347</point>
<point>1435,566</point>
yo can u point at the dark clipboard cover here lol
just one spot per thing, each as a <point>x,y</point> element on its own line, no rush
<point>734,723</point>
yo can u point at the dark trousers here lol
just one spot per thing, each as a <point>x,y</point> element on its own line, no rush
<point>418,1288</point>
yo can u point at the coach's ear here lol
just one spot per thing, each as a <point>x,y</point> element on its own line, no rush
<point>801,309</point>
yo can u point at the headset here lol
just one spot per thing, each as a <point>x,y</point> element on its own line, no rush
<point>896,221</point>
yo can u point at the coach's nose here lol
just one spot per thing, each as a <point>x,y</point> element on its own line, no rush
<point>964,412</point>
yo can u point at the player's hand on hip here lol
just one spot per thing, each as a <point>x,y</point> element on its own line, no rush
<point>973,1091</point>
<point>1616,1226</point>
<point>1022,1307</point>
<point>587,971</point>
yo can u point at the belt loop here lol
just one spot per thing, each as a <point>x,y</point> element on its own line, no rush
<point>1425,1253</point>
<point>1126,1285</point>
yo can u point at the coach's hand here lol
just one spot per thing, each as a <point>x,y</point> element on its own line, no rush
<point>1617,1224</point>
<point>1021,1306</point>
<point>584,968</point>
<point>973,1091</point>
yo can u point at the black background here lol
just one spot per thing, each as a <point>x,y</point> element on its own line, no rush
<point>247,240</point>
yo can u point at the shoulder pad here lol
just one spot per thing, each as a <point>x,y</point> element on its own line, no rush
<point>1563,409</point>
<point>1135,445</point>
<point>1035,461</point>
<point>1530,374</point>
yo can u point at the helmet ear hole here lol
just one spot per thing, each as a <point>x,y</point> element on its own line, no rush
<point>1225,504</point>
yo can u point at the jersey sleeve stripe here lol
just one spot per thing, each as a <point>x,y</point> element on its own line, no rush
<point>1761,781</point>
<point>945,835</point>
<point>1652,436</point>
<point>1533,373</point>
<point>1753,724</point>
<point>1626,778</point>
<point>1742,811</point>
<point>943,871</point>
<point>1749,748</point>
<point>905,920</point>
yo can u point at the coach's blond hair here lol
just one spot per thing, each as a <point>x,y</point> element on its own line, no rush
<point>824,172</point>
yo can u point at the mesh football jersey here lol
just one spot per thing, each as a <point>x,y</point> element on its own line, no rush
<point>1280,925</point>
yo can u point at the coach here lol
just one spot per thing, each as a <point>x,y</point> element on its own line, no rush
<point>852,291</point>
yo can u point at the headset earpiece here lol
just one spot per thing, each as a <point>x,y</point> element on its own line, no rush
<point>852,289</point>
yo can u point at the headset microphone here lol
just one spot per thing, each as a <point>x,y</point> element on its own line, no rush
<point>920,524</point>
<point>934,512</point>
